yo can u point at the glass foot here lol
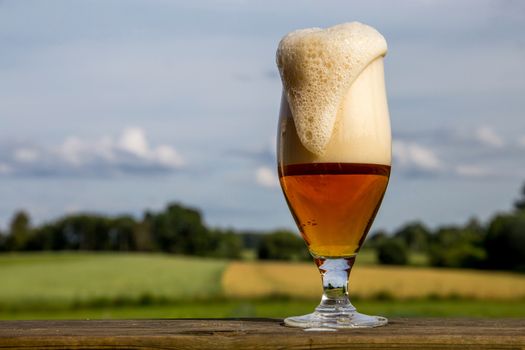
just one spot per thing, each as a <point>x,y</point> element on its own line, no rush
<point>319,321</point>
<point>335,310</point>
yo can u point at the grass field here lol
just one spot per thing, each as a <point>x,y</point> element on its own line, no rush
<point>90,285</point>
<point>61,280</point>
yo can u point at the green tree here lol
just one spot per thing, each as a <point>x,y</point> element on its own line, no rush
<point>415,235</point>
<point>458,247</point>
<point>392,251</point>
<point>142,235</point>
<point>226,244</point>
<point>251,240</point>
<point>505,242</point>
<point>282,245</point>
<point>19,231</point>
<point>374,240</point>
<point>180,230</point>
<point>121,234</point>
<point>520,203</point>
<point>3,240</point>
<point>92,231</point>
<point>47,237</point>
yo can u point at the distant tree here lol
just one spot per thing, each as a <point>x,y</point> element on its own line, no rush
<point>375,238</point>
<point>282,245</point>
<point>505,242</point>
<point>392,251</point>
<point>142,235</point>
<point>19,231</point>
<point>225,244</point>
<point>520,203</point>
<point>180,230</point>
<point>74,232</point>
<point>121,234</point>
<point>458,247</point>
<point>46,237</point>
<point>251,240</point>
<point>415,235</point>
<point>3,239</point>
<point>92,231</point>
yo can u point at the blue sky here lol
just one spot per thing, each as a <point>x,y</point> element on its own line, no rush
<point>120,106</point>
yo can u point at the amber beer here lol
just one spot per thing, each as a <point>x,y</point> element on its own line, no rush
<point>334,204</point>
<point>335,191</point>
<point>335,195</point>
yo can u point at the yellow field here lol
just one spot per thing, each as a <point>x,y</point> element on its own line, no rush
<point>259,279</point>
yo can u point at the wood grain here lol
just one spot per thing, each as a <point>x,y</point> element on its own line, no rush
<point>401,333</point>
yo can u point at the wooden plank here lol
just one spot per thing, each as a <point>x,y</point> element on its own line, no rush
<point>261,334</point>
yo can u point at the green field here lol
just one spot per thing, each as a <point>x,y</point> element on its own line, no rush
<point>116,285</point>
<point>67,280</point>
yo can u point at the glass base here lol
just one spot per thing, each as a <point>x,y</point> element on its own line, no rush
<point>335,310</point>
<point>330,321</point>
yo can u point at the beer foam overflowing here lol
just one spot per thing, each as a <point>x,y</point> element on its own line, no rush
<point>317,68</point>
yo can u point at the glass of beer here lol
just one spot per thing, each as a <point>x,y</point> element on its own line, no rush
<point>334,154</point>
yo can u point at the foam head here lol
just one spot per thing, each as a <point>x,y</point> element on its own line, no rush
<point>317,68</point>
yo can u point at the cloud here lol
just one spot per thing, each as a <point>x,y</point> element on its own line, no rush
<point>472,171</point>
<point>260,155</point>
<point>453,157</point>
<point>483,135</point>
<point>134,141</point>
<point>130,153</point>
<point>415,159</point>
<point>473,151</point>
<point>25,155</point>
<point>266,177</point>
<point>488,137</point>
<point>420,162</point>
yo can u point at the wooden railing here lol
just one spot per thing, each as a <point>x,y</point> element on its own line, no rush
<point>260,334</point>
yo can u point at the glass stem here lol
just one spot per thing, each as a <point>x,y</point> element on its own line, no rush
<point>334,274</point>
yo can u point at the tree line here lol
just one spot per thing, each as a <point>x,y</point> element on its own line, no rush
<point>499,244</point>
<point>177,229</point>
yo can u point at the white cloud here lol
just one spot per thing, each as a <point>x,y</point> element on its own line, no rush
<point>105,147</point>
<point>266,177</point>
<point>460,153</point>
<point>415,158</point>
<point>168,156</point>
<point>71,150</point>
<point>130,153</point>
<point>25,155</point>
<point>488,137</point>
<point>472,171</point>
<point>134,141</point>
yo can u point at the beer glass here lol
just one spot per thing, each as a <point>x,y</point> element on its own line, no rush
<point>334,195</point>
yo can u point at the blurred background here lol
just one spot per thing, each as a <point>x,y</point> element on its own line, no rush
<point>137,166</point>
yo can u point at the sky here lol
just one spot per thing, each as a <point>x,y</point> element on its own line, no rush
<point>116,107</point>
